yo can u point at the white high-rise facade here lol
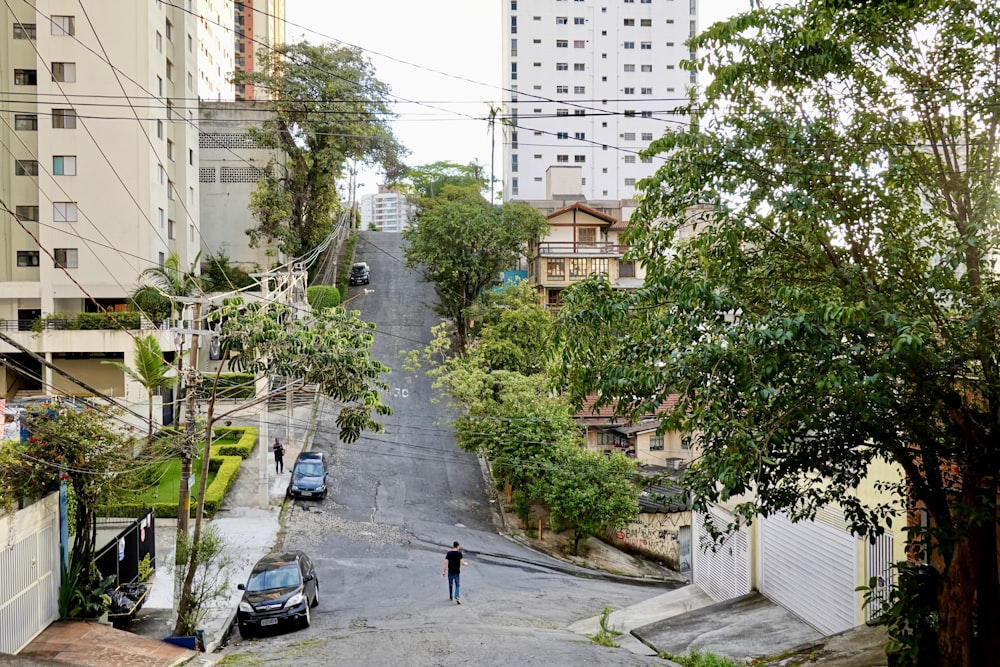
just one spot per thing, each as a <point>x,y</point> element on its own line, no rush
<point>98,174</point>
<point>386,211</point>
<point>588,84</point>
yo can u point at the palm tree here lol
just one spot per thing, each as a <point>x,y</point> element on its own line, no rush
<point>166,281</point>
<point>151,370</point>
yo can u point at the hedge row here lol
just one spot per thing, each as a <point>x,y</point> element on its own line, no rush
<point>232,386</point>
<point>223,460</point>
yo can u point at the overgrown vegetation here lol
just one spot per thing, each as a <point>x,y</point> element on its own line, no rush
<point>699,659</point>
<point>606,635</point>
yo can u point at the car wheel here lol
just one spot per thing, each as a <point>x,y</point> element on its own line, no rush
<point>245,632</point>
<point>315,602</point>
<point>305,619</point>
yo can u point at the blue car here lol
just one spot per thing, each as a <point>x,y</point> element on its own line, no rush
<point>308,476</point>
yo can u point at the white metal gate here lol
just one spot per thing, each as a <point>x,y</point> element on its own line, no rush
<point>721,570</point>
<point>810,568</point>
<point>29,573</point>
<point>880,568</point>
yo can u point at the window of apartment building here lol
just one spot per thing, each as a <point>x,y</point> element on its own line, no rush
<point>579,158</point>
<point>170,190</point>
<point>628,45</point>
<point>513,25</point>
<point>537,156</point>
<point>513,162</point>
<point>64,72</point>
<point>562,158</point>
<point>25,77</point>
<point>513,46</point>
<point>578,20</point>
<point>646,46</point>
<point>169,30</point>
<point>562,135</point>
<point>190,41</point>
<point>159,42</point>
<point>161,259</point>
<point>562,90</point>
<point>629,22</point>
<point>26,121</point>
<point>562,43</point>
<point>578,67</point>
<point>27,258</point>
<point>693,8</point>
<point>628,90</point>
<point>578,265</point>
<point>536,41</point>
<point>555,268</point>
<point>159,129</point>
<point>579,43</point>
<point>629,159</point>
<point>646,114</point>
<point>579,136</point>
<point>66,258</point>
<point>562,20</point>
<point>646,23</point>
<point>63,25</point>
<point>629,113</point>
<point>579,90</point>
<point>626,269</point>
<point>64,119</point>
<point>26,167</point>
<point>513,71</point>
<point>628,136</point>
<point>579,112</point>
<point>513,186</point>
<point>647,136</point>
<point>536,18</point>
<point>562,112</point>
<point>170,70</point>
<point>161,217</point>
<point>670,67</point>
<point>27,213</point>
<point>562,67</point>
<point>646,91</point>
<point>64,211</point>
<point>64,165</point>
<point>190,80</point>
<point>647,68</point>
<point>190,232</point>
<point>647,160</point>
<point>24,31</point>
<point>191,194</point>
<point>513,5</point>
<point>656,443</point>
<point>170,149</point>
<point>161,175</point>
<point>171,228</point>
<point>629,67</point>
<point>630,181</point>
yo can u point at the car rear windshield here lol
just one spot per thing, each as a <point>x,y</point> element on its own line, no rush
<point>285,576</point>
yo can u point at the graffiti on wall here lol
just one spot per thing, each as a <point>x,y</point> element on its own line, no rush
<point>656,535</point>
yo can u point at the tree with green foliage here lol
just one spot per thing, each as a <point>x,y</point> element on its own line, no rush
<point>151,370</point>
<point>160,283</point>
<point>427,181</point>
<point>462,243</point>
<point>515,331</point>
<point>821,289</point>
<point>330,111</point>
<point>219,275</point>
<point>588,493</point>
<point>79,447</point>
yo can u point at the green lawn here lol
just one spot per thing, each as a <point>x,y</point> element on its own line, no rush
<point>169,474</point>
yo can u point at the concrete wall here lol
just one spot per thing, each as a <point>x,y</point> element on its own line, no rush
<point>656,535</point>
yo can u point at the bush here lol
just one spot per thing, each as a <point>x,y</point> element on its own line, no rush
<point>323,296</point>
<point>247,439</point>
<point>232,386</point>
<point>88,321</point>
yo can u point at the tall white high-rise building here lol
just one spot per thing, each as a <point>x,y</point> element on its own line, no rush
<point>386,211</point>
<point>590,83</point>
<point>98,175</point>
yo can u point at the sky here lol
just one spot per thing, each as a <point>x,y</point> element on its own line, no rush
<point>441,60</point>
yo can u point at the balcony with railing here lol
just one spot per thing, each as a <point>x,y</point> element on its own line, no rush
<point>589,248</point>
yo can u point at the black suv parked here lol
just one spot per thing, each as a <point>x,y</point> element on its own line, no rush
<point>281,589</point>
<point>359,274</point>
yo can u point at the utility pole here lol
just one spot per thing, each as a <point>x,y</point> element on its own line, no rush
<point>187,454</point>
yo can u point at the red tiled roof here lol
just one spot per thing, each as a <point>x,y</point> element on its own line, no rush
<point>604,415</point>
<point>585,209</point>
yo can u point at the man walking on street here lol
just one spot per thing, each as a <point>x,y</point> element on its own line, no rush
<point>453,562</point>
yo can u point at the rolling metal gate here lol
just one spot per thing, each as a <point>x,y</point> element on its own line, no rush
<point>723,570</point>
<point>29,573</point>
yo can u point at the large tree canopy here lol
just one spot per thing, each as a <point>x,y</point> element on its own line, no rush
<point>821,285</point>
<point>331,109</point>
<point>428,180</point>
<point>463,244</point>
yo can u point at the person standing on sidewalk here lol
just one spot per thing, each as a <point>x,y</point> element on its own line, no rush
<point>453,562</point>
<point>279,457</point>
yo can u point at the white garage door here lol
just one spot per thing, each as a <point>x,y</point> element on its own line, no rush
<point>723,570</point>
<point>809,568</point>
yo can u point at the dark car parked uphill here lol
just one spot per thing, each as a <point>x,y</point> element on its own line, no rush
<point>359,274</point>
<point>281,589</point>
<point>308,476</point>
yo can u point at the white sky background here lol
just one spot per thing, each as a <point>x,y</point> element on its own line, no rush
<point>441,59</point>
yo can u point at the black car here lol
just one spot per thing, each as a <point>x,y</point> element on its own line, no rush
<point>281,589</point>
<point>359,274</point>
<point>308,476</point>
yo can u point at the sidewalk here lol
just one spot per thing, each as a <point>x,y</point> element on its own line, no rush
<point>247,526</point>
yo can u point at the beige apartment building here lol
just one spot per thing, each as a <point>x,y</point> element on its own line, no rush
<point>98,175</point>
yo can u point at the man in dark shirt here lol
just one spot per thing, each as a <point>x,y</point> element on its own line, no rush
<point>453,562</point>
